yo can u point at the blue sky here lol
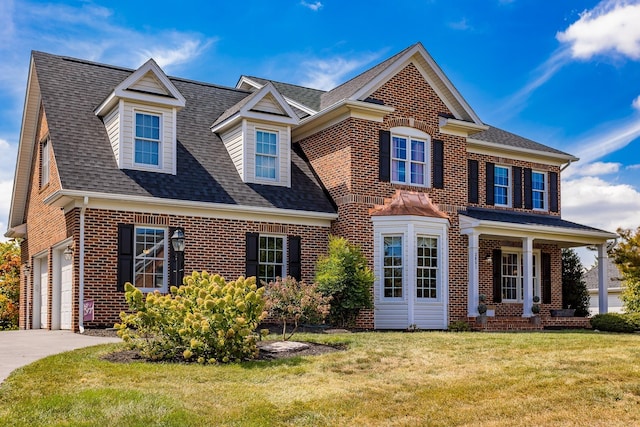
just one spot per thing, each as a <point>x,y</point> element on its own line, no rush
<point>563,73</point>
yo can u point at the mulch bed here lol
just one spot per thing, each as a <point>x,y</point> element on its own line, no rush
<point>129,356</point>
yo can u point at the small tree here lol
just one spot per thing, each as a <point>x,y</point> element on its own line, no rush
<point>9,284</point>
<point>344,276</point>
<point>290,300</point>
<point>574,289</point>
<point>626,254</point>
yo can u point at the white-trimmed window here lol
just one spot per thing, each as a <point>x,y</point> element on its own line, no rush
<point>266,155</point>
<point>271,258</point>
<point>427,267</point>
<point>513,278</point>
<point>409,155</point>
<point>150,264</point>
<point>392,267</point>
<point>44,162</point>
<point>539,190</point>
<point>147,139</point>
<point>502,186</point>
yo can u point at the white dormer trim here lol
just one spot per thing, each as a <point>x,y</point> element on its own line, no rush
<point>246,83</point>
<point>289,117</point>
<point>432,73</point>
<point>124,91</point>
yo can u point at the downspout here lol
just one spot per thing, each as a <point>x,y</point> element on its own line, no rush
<point>566,166</point>
<point>81,267</point>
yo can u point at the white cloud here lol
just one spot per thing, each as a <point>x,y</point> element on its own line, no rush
<point>328,73</point>
<point>609,28</point>
<point>461,25</point>
<point>597,203</point>
<point>184,52</point>
<point>313,6</point>
<point>7,159</point>
<point>636,103</point>
<point>633,167</point>
<point>599,168</point>
<point>6,188</point>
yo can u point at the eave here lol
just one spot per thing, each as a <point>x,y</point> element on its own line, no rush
<point>460,127</point>
<point>338,112</point>
<point>518,153</point>
<point>69,199</point>
<point>563,236</point>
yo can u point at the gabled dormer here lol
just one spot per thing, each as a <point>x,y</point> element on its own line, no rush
<point>140,120</point>
<point>257,134</point>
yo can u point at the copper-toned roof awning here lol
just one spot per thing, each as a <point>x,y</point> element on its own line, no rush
<point>409,203</point>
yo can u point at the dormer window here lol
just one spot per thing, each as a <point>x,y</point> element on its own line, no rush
<point>266,155</point>
<point>147,139</point>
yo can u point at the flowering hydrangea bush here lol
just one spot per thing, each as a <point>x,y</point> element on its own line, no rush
<point>206,320</point>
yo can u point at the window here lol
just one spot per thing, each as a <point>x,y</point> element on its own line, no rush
<point>266,154</point>
<point>150,270</point>
<point>427,267</point>
<point>147,141</point>
<point>44,163</point>
<point>539,190</point>
<point>408,160</point>
<point>271,259</point>
<point>501,186</point>
<point>392,266</point>
<point>513,279</point>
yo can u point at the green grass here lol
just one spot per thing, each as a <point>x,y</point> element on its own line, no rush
<point>390,379</point>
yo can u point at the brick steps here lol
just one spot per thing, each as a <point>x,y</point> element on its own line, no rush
<point>505,324</point>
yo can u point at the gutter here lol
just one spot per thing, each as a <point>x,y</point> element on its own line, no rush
<point>81,268</point>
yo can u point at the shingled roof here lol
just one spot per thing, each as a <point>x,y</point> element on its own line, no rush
<point>304,95</point>
<point>503,137</point>
<point>71,90</point>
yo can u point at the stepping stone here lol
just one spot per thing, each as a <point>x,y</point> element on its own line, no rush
<point>283,346</point>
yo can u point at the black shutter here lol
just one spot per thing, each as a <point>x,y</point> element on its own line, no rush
<point>472,180</point>
<point>528,189</point>
<point>496,257</point>
<point>546,278</point>
<point>385,156</point>
<point>490,178</point>
<point>517,186</point>
<point>438,164</point>
<point>553,191</point>
<point>295,261</point>
<point>251,258</point>
<point>125,255</point>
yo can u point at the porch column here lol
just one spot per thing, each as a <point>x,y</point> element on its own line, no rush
<point>527,276</point>
<point>474,275</point>
<point>603,280</point>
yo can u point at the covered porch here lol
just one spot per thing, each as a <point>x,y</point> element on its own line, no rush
<point>514,257</point>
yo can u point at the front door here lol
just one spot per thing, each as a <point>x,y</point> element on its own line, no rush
<point>65,293</point>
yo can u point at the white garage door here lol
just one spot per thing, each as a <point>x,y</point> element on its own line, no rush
<point>44,293</point>
<point>65,293</point>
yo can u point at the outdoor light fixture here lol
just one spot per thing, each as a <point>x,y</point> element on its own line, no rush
<point>68,253</point>
<point>177,242</point>
<point>488,259</point>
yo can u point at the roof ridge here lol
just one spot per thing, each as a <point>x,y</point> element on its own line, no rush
<point>285,83</point>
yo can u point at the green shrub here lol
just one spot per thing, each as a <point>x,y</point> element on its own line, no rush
<point>344,276</point>
<point>206,320</point>
<point>612,322</point>
<point>634,319</point>
<point>8,314</point>
<point>459,326</point>
<point>290,300</point>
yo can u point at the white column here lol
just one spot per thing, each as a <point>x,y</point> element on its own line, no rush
<point>603,280</point>
<point>474,275</point>
<point>527,275</point>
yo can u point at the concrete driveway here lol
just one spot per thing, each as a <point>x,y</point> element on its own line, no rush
<point>20,348</point>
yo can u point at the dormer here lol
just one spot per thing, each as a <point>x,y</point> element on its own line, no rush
<point>257,134</point>
<point>140,120</point>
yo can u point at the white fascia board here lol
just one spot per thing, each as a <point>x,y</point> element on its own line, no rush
<point>300,106</point>
<point>245,80</point>
<point>506,229</point>
<point>402,220</point>
<point>338,112</point>
<point>22,173</point>
<point>270,118</point>
<point>17,232</point>
<point>460,127</point>
<point>517,153</point>
<point>69,199</point>
<point>269,89</point>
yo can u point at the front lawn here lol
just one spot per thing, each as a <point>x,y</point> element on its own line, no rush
<point>396,379</point>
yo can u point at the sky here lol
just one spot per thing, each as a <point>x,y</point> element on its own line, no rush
<point>562,73</point>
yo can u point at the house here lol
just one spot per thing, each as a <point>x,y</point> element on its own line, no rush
<point>614,288</point>
<point>113,161</point>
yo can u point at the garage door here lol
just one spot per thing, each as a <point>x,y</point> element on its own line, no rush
<point>65,293</point>
<point>44,293</point>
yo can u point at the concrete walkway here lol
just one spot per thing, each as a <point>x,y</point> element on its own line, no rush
<point>20,348</point>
